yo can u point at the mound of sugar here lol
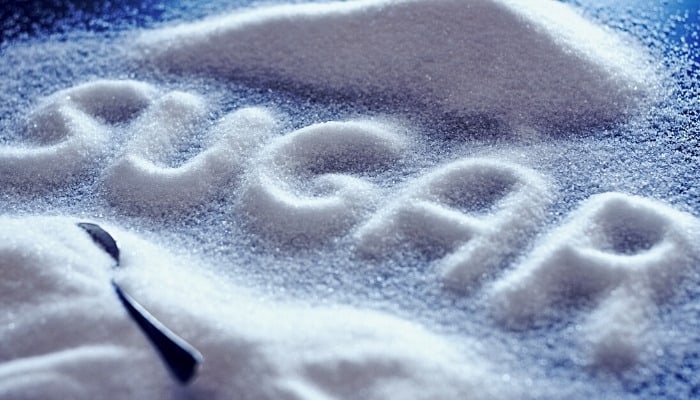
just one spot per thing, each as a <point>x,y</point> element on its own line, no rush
<point>64,326</point>
<point>624,253</point>
<point>71,337</point>
<point>524,64</point>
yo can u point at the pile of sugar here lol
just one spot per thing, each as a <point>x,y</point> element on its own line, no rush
<point>69,337</point>
<point>522,64</point>
<point>335,183</point>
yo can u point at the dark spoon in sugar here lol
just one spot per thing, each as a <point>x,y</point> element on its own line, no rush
<point>182,359</point>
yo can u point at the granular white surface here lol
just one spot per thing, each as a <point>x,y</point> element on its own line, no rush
<point>523,63</point>
<point>302,192</point>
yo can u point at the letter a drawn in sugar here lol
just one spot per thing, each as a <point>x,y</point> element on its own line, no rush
<point>475,210</point>
<point>623,253</point>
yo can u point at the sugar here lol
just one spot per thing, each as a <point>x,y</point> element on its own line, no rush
<point>342,210</point>
<point>266,350</point>
<point>524,64</point>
